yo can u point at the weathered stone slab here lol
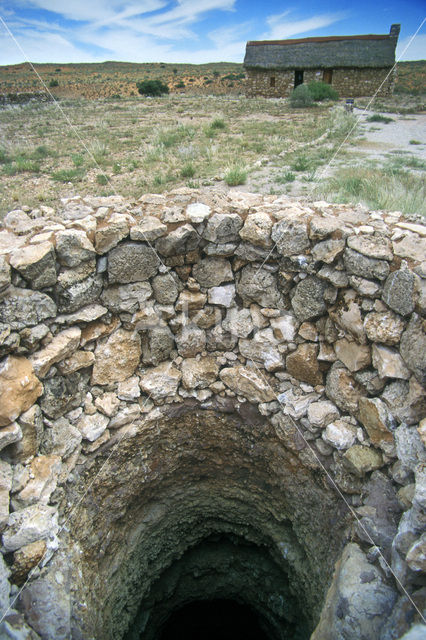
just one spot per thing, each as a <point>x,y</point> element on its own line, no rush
<point>132,262</point>
<point>19,388</point>
<point>161,381</point>
<point>117,358</point>
<point>22,308</point>
<point>36,263</point>
<point>62,346</point>
<point>248,383</point>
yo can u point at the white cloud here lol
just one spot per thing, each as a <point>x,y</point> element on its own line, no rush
<point>416,50</point>
<point>280,28</point>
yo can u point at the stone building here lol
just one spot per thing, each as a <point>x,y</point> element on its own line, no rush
<point>353,65</point>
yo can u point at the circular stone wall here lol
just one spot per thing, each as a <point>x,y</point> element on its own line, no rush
<point>217,399</point>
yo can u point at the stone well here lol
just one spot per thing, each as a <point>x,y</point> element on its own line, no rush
<point>212,399</point>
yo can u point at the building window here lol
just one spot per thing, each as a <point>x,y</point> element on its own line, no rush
<point>272,81</point>
<point>298,77</point>
<point>327,75</point>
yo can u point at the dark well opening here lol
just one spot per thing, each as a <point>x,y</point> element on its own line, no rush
<point>214,620</point>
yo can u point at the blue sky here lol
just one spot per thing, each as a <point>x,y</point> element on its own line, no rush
<point>191,31</point>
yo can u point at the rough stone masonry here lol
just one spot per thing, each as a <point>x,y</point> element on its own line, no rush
<point>239,356</point>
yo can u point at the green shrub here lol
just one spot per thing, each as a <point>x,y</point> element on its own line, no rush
<point>187,171</point>
<point>376,117</point>
<point>301,97</point>
<point>322,91</point>
<point>218,123</point>
<point>152,88</point>
<point>180,85</point>
<point>21,165</point>
<point>302,163</point>
<point>68,175</point>
<point>235,176</point>
<point>102,179</point>
<point>53,83</point>
<point>4,156</point>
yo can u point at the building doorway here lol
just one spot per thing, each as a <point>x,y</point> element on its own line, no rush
<point>327,75</point>
<point>298,77</point>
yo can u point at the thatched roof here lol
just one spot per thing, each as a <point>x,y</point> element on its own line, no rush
<point>318,53</point>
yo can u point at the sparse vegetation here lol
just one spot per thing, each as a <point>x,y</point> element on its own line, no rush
<point>235,176</point>
<point>377,117</point>
<point>301,97</point>
<point>322,91</point>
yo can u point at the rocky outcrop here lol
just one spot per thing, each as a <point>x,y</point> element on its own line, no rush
<point>189,366</point>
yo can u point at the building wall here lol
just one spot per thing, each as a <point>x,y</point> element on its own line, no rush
<point>349,83</point>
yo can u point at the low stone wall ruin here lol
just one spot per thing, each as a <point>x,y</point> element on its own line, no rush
<point>197,365</point>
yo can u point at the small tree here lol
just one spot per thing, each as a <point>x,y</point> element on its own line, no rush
<point>152,88</point>
<point>322,91</point>
<point>301,97</point>
<point>53,83</point>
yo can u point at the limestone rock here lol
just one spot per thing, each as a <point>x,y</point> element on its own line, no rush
<point>223,296</point>
<point>248,383</point>
<point>422,431</point>
<point>223,228</point>
<point>320,414</point>
<point>18,222</point>
<point>256,284</point>
<point>238,322</point>
<point>385,327</point>
<point>372,246</point>
<point>190,341</point>
<point>220,340</point>
<point>97,329</point>
<point>124,416</point>
<point>60,439</point>
<point>320,228</point>
<point>117,358</point>
<point>190,300</point>
<point>303,364</point>
<point>409,447</point>
<point>339,434</point>
<point>25,558</point>
<point>389,363</point>
<point>211,272</point>
<point>413,347</point>
<point>62,346</point>
<point>107,404</point>
<point>27,525</point>
<point>4,274</point>
<point>398,291</point>
<point>257,230</point>
<point>73,247</point>
<point>197,212</point>
<point>284,327</point>
<point>199,374</point>
<point>109,234</point>
<point>360,460</point>
<point>342,389</point>
<point>308,299</point>
<point>181,240</point>
<point>19,388</point>
<point>5,488</point>
<point>165,288</point>
<point>68,277</point>
<point>158,344</point>
<point>263,348</point>
<point>129,389</point>
<point>63,393</point>
<point>22,308</point>
<point>353,355</point>
<point>87,314</point>
<point>10,434</point>
<point>36,263</point>
<point>358,601</point>
<point>411,247</point>
<point>148,229</point>
<point>328,250</point>
<point>161,381</point>
<point>363,266</point>
<point>31,424</point>
<point>79,295</point>
<point>416,556</point>
<point>290,236</point>
<point>349,317</point>
<point>92,426</point>
<point>375,417</point>
<point>44,472</point>
<point>126,297</point>
<point>336,278</point>
<point>78,360</point>
<point>364,287</point>
<point>132,262</point>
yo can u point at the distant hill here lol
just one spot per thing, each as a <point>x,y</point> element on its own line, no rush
<point>118,79</point>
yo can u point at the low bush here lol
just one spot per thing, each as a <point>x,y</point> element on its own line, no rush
<point>301,97</point>
<point>322,91</point>
<point>53,83</point>
<point>377,117</point>
<point>152,88</point>
<point>235,176</point>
